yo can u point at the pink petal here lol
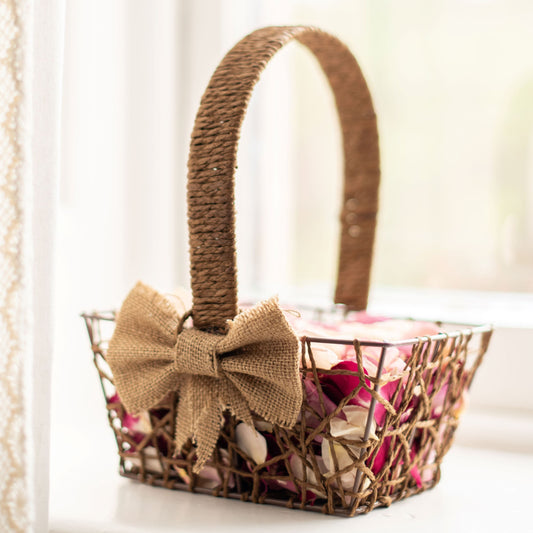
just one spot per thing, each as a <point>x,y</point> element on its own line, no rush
<point>416,476</point>
<point>130,421</point>
<point>339,385</point>
<point>380,456</point>
<point>415,473</point>
<point>113,399</point>
<point>313,400</point>
<point>363,317</point>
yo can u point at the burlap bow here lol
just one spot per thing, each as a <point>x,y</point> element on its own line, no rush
<point>253,367</point>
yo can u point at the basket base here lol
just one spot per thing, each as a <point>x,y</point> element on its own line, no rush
<point>291,503</point>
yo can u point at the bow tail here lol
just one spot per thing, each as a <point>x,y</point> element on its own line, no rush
<point>199,416</point>
<point>235,402</point>
<point>207,433</point>
<point>211,420</point>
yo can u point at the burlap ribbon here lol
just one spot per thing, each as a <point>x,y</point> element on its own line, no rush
<point>253,367</point>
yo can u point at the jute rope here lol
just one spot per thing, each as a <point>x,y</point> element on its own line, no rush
<point>212,163</point>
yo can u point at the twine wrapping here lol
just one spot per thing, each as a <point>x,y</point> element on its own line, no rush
<point>254,367</point>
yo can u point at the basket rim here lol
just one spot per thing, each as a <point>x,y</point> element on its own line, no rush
<point>462,330</point>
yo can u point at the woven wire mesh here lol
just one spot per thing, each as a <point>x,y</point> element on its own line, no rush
<point>406,422</point>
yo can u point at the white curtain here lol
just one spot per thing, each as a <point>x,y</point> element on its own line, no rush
<point>31,37</point>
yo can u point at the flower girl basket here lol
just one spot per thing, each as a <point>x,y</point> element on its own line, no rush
<point>233,403</point>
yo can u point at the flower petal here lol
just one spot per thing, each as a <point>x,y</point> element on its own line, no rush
<point>343,460</point>
<point>251,442</point>
<point>341,385</point>
<point>354,426</point>
<point>323,357</point>
<point>322,409</point>
<point>297,468</point>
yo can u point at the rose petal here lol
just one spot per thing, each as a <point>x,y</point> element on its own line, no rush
<point>362,317</point>
<point>151,461</point>
<point>343,460</point>
<point>380,456</point>
<point>297,468</point>
<point>415,473</point>
<point>341,385</point>
<point>323,357</point>
<point>139,423</point>
<point>251,442</point>
<point>313,401</point>
<point>263,425</point>
<point>209,478</point>
<point>353,428</point>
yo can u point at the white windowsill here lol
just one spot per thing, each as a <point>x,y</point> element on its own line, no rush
<point>496,430</point>
<point>504,310</point>
<point>480,490</point>
<point>501,309</point>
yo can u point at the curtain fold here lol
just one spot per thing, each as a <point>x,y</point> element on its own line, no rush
<point>46,89</point>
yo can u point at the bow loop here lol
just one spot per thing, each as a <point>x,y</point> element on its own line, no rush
<point>253,368</point>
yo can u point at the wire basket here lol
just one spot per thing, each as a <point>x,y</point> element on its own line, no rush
<point>399,457</point>
<point>372,429</point>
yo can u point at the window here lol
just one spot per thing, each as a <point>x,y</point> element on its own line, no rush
<point>451,85</point>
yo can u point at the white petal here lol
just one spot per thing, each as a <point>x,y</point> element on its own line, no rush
<point>151,462</point>
<point>251,442</point>
<point>298,471</point>
<point>208,478</point>
<point>353,427</point>
<point>343,460</point>
<point>324,357</point>
<point>262,425</point>
<point>144,424</point>
<point>298,468</point>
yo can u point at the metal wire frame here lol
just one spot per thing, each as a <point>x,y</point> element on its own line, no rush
<point>439,359</point>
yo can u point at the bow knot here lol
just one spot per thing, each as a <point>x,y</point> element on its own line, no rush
<point>254,367</point>
<point>196,353</point>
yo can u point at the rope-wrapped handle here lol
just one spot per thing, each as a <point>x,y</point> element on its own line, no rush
<point>212,163</point>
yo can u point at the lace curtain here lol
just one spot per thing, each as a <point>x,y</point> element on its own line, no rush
<point>30,73</point>
<point>15,293</point>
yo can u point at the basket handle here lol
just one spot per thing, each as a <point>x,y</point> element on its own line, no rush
<point>212,163</point>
